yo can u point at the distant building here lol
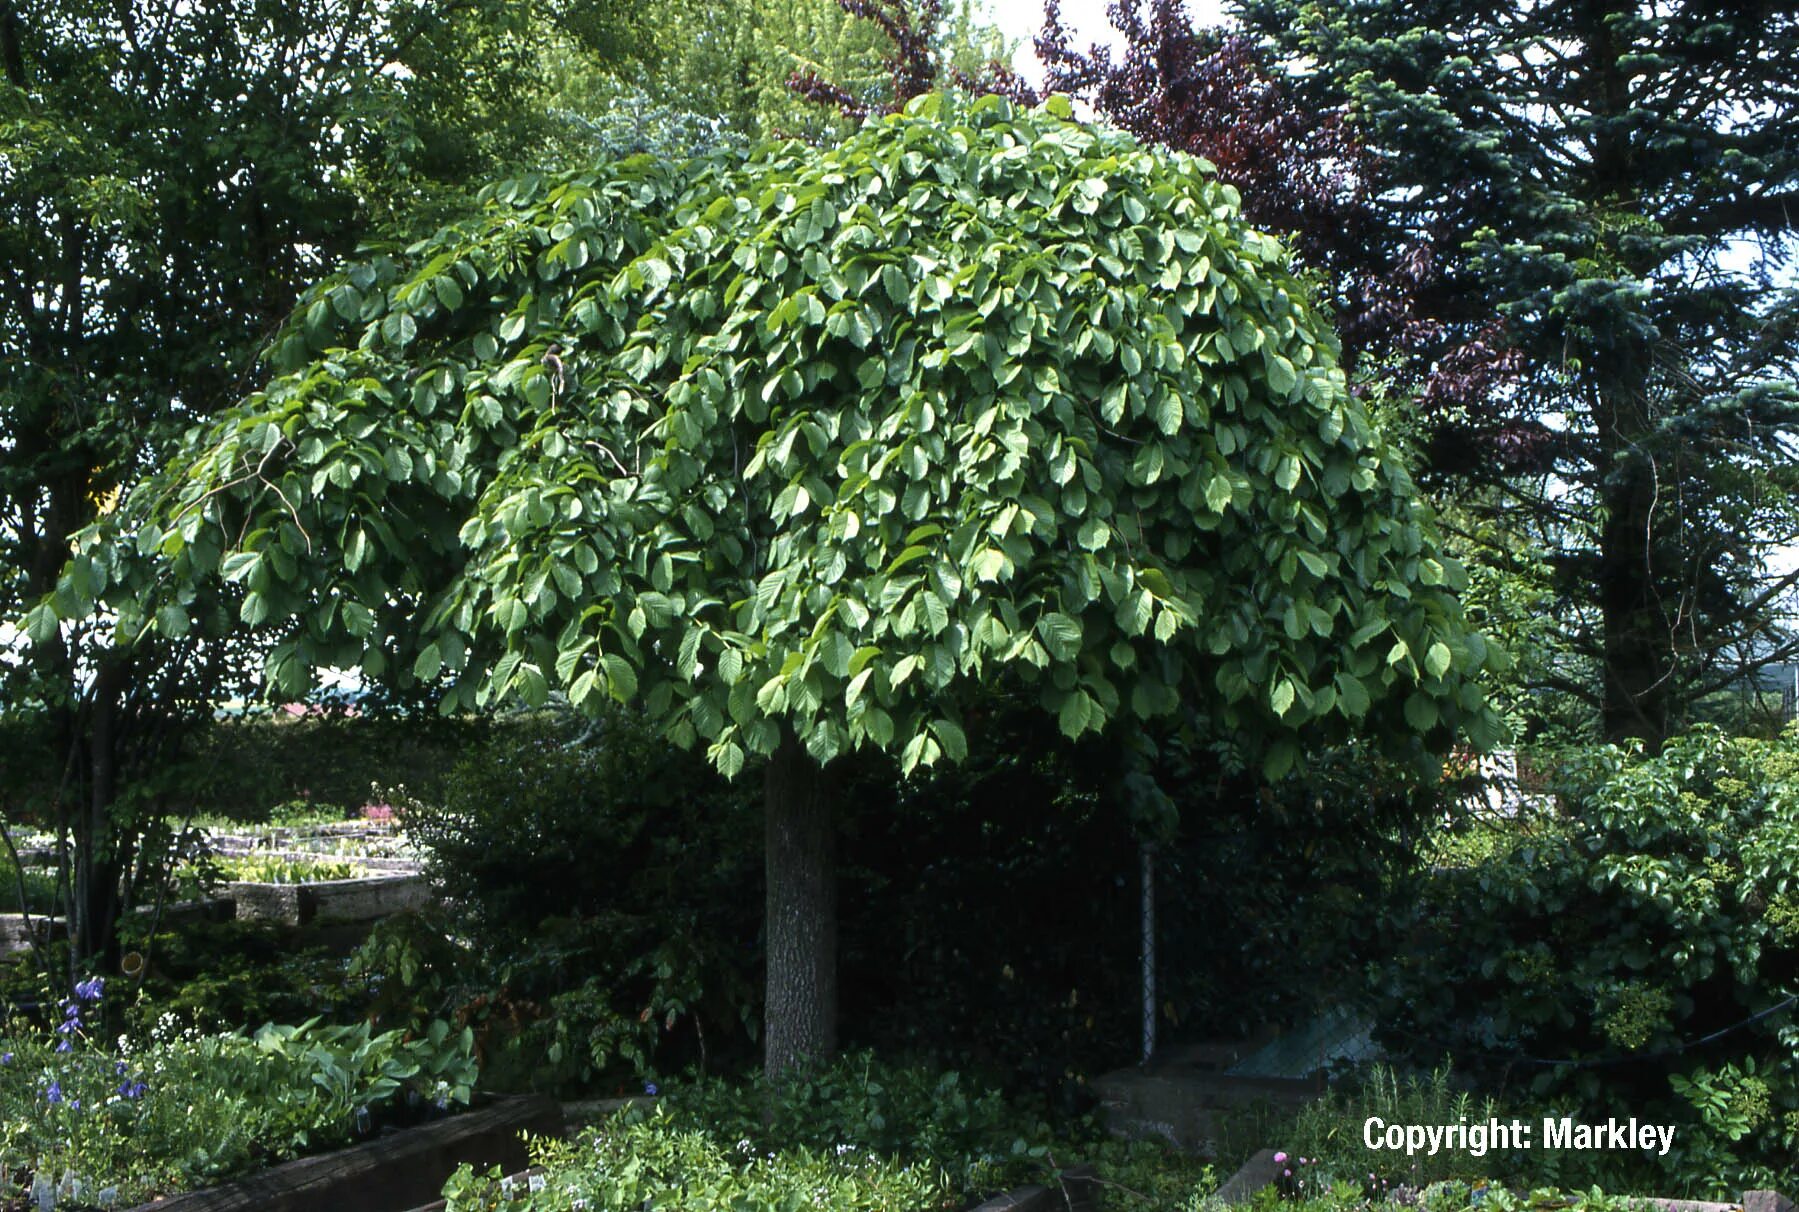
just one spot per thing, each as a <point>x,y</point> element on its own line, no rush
<point>1785,680</point>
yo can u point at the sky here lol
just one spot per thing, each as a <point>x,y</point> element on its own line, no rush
<point>1021,19</point>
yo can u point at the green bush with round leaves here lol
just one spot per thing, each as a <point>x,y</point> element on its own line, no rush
<point>1637,951</point>
<point>809,442</point>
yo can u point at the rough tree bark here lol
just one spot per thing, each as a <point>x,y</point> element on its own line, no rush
<point>800,1015</point>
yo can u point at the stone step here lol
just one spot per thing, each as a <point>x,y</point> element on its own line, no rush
<point>1183,1107</point>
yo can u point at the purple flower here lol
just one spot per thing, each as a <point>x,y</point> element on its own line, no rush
<point>53,1094</point>
<point>5,1058</point>
<point>650,1088</point>
<point>62,1045</point>
<point>90,990</point>
<point>132,1089</point>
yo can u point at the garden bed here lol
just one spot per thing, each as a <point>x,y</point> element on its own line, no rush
<point>14,936</point>
<point>330,902</point>
<point>399,1171</point>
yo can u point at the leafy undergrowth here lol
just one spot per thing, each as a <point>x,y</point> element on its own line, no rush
<point>87,1122</point>
<point>857,1136</point>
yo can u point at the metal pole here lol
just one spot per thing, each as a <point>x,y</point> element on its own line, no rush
<point>1147,861</point>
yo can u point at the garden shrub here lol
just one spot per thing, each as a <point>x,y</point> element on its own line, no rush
<point>600,879</point>
<point>1269,899</point>
<point>85,1122</point>
<point>1324,1145</point>
<point>600,934</point>
<point>232,976</point>
<point>280,769</point>
<point>651,1164</point>
<point>857,1134</point>
<point>1639,954</point>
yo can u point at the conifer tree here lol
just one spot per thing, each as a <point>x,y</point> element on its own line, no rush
<point>1622,184</point>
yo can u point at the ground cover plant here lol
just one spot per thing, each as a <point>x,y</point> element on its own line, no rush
<point>1638,948</point>
<point>839,543</point>
<point>92,1121</point>
<point>856,1135</point>
<point>933,523</point>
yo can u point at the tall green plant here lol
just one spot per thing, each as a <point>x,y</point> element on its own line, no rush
<point>1619,182</point>
<point>171,178</point>
<point>1642,947</point>
<point>801,453</point>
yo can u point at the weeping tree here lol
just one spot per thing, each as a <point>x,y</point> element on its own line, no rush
<point>799,452</point>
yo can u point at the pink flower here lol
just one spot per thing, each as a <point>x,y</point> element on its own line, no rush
<point>1279,1158</point>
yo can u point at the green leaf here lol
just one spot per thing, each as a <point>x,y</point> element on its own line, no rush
<point>1280,759</point>
<point>1168,412</point>
<point>1437,659</point>
<point>447,291</point>
<point>1352,696</point>
<point>1077,714</point>
<point>955,744</point>
<point>1282,698</point>
<point>728,758</point>
<point>41,623</point>
<point>172,621</point>
<point>620,677</point>
<point>1281,375</point>
<point>1061,635</point>
<point>429,661</point>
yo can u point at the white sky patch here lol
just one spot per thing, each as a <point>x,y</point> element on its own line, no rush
<point>1022,19</point>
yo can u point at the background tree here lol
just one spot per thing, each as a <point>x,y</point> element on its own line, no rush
<point>170,179</point>
<point>924,49</point>
<point>1300,171</point>
<point>1623,181</point>
<point>736,59</point>
<point>803,453</point>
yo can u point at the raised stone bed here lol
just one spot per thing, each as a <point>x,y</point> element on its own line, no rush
<point>406,1169</point>
<point>1261,1170</point>
<point>13,937</point>
<point>208,909</point>
<point>386,864</point>
<point>330,902</point>
<point>1077,1190</point>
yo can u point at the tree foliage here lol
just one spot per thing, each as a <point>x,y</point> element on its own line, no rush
<point>1622,181</point>
<point>739,59</point>
<point>171,179</point>
<point>1305,173</point>
<point>819,442</point>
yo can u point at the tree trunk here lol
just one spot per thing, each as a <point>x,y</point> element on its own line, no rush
<point>1639,647</point>
<point>97,873</point>
<point>800,1015</point>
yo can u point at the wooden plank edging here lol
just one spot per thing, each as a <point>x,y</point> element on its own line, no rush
<point>404,1170</point>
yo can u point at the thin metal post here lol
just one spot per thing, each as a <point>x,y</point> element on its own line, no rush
<point>1147,861</point>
